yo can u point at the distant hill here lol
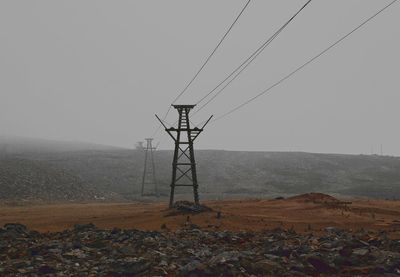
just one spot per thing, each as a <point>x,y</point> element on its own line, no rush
<point>28,180</point>
<point>20,145</point>
<point>289,173</point>
<point>222,174</point>
<point>23,177</point>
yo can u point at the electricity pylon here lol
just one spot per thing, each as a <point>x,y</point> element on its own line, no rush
<point>149,170</point>
<point>184,164</point>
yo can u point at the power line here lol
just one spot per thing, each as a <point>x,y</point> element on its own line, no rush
<point>305,64</point>
<point>247,62</point>
<point>205,63</point>
<point>212,53</point>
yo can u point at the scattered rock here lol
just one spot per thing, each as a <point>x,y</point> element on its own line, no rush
<point>89,251</point>
<point>189,207</point>
<point>13,230</point>
<point>46,270</point>
<point>164,226</point>
<point>321,266</point>
<point>84,227</point>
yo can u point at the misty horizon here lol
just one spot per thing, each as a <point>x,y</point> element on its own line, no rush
<point>4,139</point>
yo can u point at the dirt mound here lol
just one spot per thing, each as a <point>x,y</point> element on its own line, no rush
<point>314,197</point>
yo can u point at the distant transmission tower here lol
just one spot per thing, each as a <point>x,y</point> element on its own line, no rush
<point>184,164</point>
<point>139,145</point>
<point>149,170</point>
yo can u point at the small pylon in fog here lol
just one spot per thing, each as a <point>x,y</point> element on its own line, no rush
<point>149,170</point>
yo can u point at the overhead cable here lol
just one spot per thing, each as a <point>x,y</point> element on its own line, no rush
<point>305,64</point>
<point>247,62</point>
<point>205,63</point>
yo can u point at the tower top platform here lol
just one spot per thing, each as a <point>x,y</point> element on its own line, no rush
<point>183,106</point>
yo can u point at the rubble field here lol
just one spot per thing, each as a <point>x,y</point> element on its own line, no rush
<point>86,250</point>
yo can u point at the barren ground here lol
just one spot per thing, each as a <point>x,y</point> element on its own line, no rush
<point>304,213</point>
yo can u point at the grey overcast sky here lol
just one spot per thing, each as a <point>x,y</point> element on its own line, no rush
<point>98,71</point>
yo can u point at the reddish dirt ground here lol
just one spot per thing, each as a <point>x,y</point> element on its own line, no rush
<point>305,213</point>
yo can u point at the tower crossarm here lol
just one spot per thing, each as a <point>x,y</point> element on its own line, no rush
<point>169,130</point>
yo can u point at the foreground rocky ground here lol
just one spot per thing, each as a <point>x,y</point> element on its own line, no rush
<point>190,251</point>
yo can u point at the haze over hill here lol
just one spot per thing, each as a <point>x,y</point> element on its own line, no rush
<point>37,169</point>
<point>20,145</point>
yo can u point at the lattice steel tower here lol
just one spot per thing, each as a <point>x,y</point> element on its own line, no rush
<point>184,164</point>
<point>149,170</point>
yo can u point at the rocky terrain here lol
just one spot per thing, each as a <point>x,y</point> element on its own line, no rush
<point>305,235</point>
<point>190,251</point>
